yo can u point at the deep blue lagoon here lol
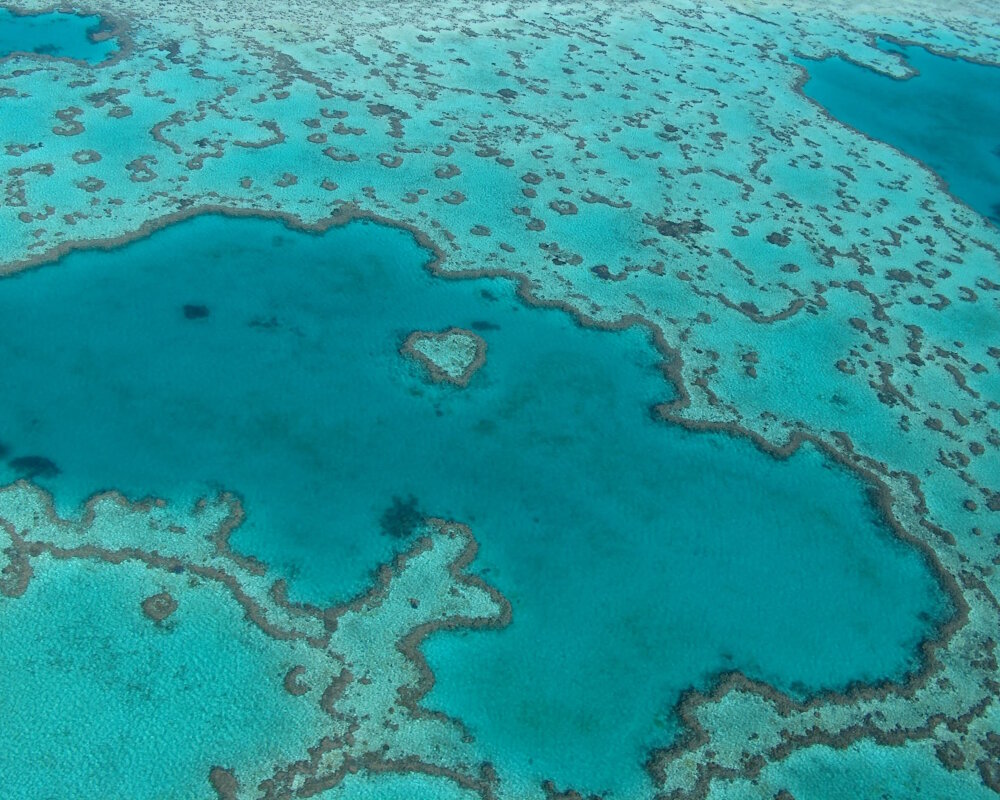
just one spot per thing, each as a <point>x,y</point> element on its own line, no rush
<point>947,115</point>
<point>58,34</point>
<point>640,559</point>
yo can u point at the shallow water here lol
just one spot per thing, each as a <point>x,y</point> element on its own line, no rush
<point>640,559</point>
<point>59,34</point>
<point>947,115</point>
<point>863,770</point>
<point>99,702</point>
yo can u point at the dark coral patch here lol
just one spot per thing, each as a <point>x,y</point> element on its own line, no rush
<point>34,467</point>
<point>401,519</point>
<point>159,607</point>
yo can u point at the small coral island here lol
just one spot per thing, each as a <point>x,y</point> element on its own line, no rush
<point>451,356</point>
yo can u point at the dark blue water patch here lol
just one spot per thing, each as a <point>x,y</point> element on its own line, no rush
<point>640,559</point>
<point>57,34</point>
<point>947,116</point>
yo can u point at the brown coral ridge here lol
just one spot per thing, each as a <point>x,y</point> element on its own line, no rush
<point>875,474</point>
<point>24,548</point>
<point>409,696</point>
<point>160,606</point>
<point>434,370</point>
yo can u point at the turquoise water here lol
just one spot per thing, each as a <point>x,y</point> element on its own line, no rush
<point>60,34</point>
<point>948,115</point>
<point>640,559</point>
